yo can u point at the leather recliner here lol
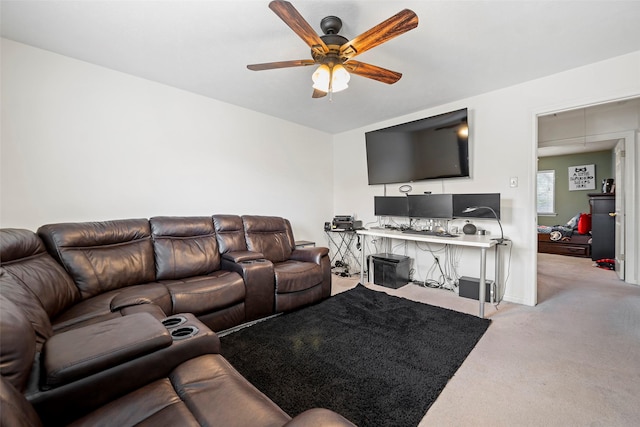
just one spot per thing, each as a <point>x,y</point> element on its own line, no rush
<point>302,275</point>
<point>188,264</point>
<point>170,262</point>
<point>203,390</point>
<point>38,284</point>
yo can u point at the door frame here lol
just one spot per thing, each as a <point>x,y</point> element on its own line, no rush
<point>619,166</point>
<point>631,138</point>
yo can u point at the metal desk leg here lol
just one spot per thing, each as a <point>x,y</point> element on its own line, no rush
<point>483,280</point>
<point>364,256</point>
<point>497,281</point>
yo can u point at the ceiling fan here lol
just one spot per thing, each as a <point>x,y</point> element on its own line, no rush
<point>334,53</point>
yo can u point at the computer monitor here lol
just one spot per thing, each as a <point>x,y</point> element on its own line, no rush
<point>390,206</point>
<point>463,201</point>
<point>430,206</point>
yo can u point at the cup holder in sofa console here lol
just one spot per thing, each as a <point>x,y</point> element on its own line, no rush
<point>173,321</point>
<point>184,332</point>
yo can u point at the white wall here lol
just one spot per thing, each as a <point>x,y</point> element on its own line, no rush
<point>85,143</point>
<point>503,140</point>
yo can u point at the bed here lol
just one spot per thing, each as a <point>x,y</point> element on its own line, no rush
<point>565,239</point>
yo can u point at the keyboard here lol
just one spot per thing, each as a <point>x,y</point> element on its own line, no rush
<point>429,233</point>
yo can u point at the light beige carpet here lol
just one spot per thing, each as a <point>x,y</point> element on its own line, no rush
<point>573,360</point>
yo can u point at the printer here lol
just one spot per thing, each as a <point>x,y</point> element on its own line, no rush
<point>345,223</point>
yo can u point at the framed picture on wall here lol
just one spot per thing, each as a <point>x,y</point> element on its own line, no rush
<point>582,177</point>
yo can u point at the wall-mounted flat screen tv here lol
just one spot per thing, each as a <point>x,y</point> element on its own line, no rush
<point>432,148</point>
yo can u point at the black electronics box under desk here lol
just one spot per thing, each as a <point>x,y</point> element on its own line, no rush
<point>469,287</point>
<point>390,270</point>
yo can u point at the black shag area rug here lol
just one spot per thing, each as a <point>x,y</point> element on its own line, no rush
<point>376,359</point>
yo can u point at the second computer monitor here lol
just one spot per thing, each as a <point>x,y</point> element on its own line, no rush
<point>430,206</point>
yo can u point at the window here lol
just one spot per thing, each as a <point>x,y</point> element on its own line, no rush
<point>546,192</point>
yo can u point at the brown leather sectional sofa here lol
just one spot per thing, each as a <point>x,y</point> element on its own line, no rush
<point>113,323</point>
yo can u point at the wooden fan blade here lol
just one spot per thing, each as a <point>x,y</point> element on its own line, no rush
<point>372,72</point>
<point>299,25</point>
<point>398,24</point>
<point>281,64</point>
<point>318,93</point>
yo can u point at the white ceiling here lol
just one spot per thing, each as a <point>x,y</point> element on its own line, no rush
<point>460,48</point>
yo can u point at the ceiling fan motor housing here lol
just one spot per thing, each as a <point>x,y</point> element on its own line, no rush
<point>330,25</point>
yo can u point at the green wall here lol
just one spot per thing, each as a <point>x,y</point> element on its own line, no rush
<point>568,203</point>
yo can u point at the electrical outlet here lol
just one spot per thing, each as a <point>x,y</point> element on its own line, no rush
<point>513,182</point>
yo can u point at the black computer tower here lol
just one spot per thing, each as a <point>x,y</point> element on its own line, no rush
<point>390,270</point>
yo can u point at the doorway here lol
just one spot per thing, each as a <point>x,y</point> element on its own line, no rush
<point>608,127</point>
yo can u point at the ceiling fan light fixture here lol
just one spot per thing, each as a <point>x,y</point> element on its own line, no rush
<point>320,78</point>
<point>331,80</point>
<point>339,78</point>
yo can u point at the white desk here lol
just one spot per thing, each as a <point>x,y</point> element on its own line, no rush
<point>472,241</point>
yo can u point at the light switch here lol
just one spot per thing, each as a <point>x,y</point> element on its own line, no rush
<point>513,181</point>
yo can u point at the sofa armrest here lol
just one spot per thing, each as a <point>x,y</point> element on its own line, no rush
<point>259,283</point>
<point>313,254</point>
<point>320,256</point>
<point>82,352</point>
<point>75,399</point>
<point>239,256</point>
<point>152,309</point>
<point>319,417</point>
<point>150,293</point>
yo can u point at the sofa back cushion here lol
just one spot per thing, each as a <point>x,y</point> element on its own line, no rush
<point>101,256</point>
<point>270,235</point>
<point>33,278</point>
<point>22,297</point>
<point>184,247</point>
<point>230,233</point>
<point>17,344</point>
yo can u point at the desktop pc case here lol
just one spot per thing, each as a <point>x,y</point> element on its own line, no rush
<point>390,270</point>
<point>469,287</point>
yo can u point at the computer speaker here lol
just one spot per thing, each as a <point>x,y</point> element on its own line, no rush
<point>469,228</point>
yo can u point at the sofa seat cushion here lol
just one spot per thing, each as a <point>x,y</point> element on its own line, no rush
<point>295,276</point>
<point>205,390</point>
<point>203,294</point>
<point>151,297</point>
